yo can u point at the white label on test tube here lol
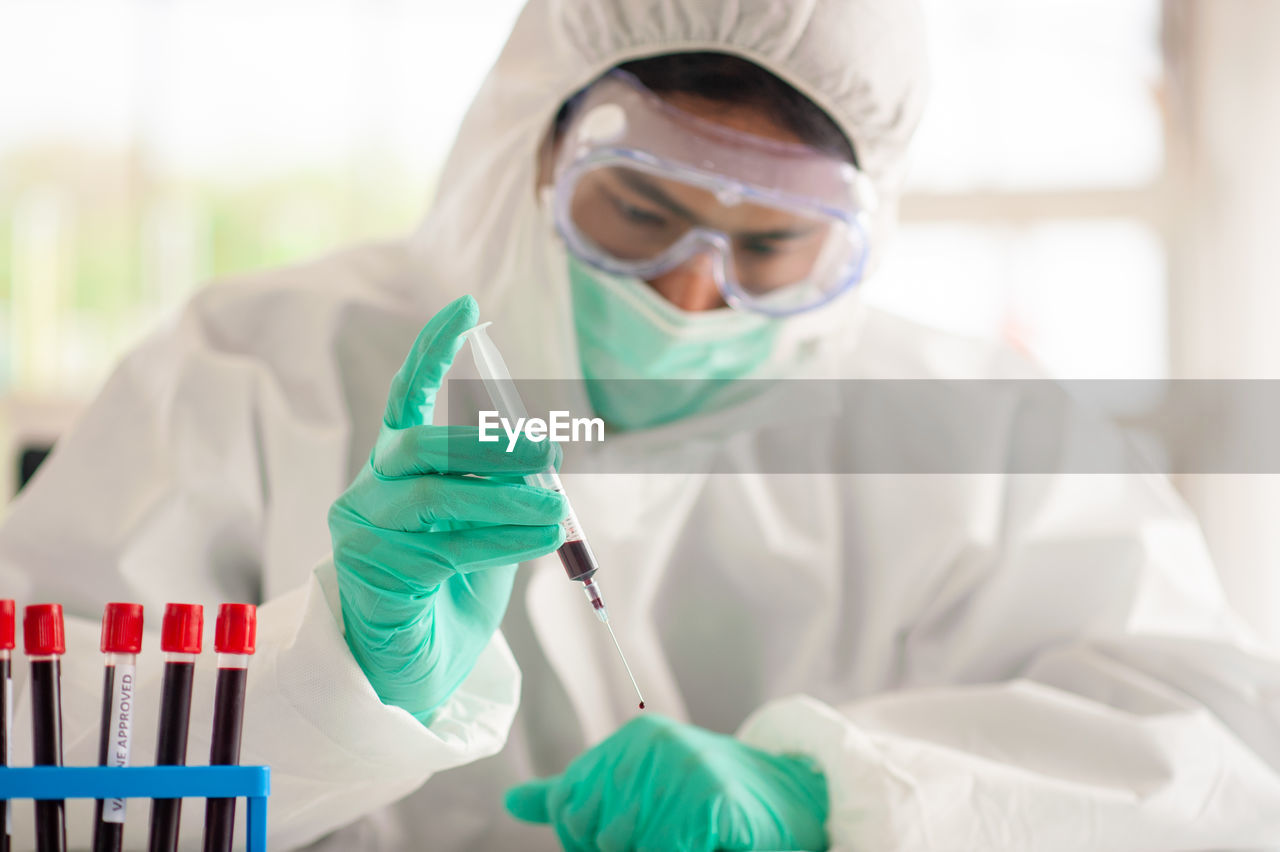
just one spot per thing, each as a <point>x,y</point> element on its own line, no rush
<point>8,737</point>
<point>121,733</point>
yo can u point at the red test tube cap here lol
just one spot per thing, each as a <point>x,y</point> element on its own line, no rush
<point>237,629</point>
<point>183,629</point>
<point>6,625</point>
<point>42,633</point>
<point>122,628</point>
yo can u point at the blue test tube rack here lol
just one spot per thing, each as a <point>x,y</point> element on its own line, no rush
<point>148,782</point>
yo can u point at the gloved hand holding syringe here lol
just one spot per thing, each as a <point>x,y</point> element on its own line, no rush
<point>575,554</point>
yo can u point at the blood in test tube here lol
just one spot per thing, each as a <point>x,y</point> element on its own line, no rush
<point>7,632</point>
<point>180,639</point>
<point>45,643</point>
<point>234,640</point>
<point>121,642</point>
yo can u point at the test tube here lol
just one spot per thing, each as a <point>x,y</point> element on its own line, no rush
<point>7,631</point>
<point>180,639</point>
<point>121,642</point>
<point>575,554</point>
<point>234,640</point>
<point>45,643</point>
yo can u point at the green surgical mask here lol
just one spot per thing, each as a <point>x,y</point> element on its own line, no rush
<point>627,331</point>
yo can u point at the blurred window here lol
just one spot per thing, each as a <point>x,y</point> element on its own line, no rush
<point>1035,177</point>
<point>162,144</point>
<point>1035,94</point>
<point>166,143</point>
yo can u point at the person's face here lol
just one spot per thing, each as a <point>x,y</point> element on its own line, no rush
<point>766,238</point>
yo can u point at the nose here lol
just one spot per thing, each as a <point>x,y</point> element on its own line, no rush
<point>691,286</point>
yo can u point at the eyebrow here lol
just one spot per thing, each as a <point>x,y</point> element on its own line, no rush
<point>779,234</point>
<point>638,183</point>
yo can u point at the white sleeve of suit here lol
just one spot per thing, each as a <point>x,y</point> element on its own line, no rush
<point>336,751</point>
<point>1154,726</point>
<point>160,493</point>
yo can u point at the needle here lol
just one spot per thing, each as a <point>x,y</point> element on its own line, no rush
<point>623,657</point>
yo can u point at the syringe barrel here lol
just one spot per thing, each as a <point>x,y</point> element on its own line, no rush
<point>575,554</point>
<point>550,480</point>
<point>495,375</point>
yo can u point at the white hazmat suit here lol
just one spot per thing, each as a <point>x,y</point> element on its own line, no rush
<point>978,661</point>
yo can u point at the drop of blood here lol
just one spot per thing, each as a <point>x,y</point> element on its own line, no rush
<point>641,705</point>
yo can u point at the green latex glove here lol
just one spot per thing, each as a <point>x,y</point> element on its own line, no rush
<point>661,786</point>
<point>425,554</point>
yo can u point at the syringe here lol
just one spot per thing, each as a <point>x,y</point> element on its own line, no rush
<point>575,554</point>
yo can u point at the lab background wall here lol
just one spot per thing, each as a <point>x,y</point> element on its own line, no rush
<point>1095,183</point>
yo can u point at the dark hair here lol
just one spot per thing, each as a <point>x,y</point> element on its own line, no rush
<point>724,78</point>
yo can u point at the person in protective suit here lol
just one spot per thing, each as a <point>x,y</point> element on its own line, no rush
<point>657,190</point>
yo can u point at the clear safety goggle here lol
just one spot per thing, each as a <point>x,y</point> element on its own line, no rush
<point>642,187</point>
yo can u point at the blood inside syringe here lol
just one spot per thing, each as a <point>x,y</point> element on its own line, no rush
<point>578,560</point>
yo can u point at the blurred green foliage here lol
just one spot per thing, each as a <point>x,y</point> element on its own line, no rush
<point>113,275</point>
